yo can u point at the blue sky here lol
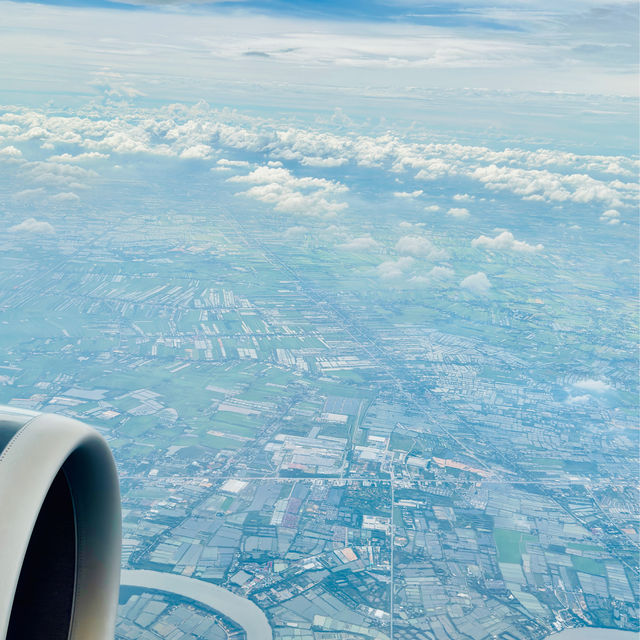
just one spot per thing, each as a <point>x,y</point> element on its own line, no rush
<point>601,17</point>
<point>437,14</point>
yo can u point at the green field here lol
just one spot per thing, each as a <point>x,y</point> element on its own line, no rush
<point>511,544</point>
<point>588,565</point>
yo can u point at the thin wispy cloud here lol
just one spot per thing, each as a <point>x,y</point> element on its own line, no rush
<point>498,47</point>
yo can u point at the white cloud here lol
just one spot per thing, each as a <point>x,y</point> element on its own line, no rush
<point>419,246</point>
<point>611,216</point>
<point>29,194</point>
<point>80,157</point>
<point>317,161</point>
<point>31,225</point>
<point>441,273</point>
<point>9,130</point>
<point>477,283</point>
<point>280,175</point>
<point>335,230</point>
<point>592,386</point>
<point>198,131</point>
<point>437,275</point>
<point>343,55</point>
<point>196,152</point>
<point>544,185</point>
<point>61,175</point>
<point>114,85</point>
<point>414,246</point>
<point>436,168</point>
<point>295,232</point>
<point>394,269</point>
<point>581,399</point>
<point>408,194</point>
<point>420,280</point>
<point>10,153</point>
<point>233,163</point>
<point>289,194</point>
<point>361,243</point>
<point>505,242</point>
<point>411,225</point>
<point>65,196</point>
<point>458,212</point>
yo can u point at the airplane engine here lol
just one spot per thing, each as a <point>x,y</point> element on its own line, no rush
<point>60,529</point>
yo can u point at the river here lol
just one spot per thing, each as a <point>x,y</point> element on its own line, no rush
<point>242,611</point>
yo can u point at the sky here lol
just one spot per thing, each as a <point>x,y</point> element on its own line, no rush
<point>159,47</point>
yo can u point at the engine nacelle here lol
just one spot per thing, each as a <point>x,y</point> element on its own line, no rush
<point>60,529</point>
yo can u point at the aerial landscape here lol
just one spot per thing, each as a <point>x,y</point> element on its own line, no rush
<point>352,296</point>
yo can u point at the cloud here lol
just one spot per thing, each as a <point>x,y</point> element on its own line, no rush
<point>408,194</point>
<point>31,225</point>
<point>477,283</point>
<point>433,169</point>
<point>196,152</point>
<point>419,246</point>
<point>611,216</point>
<point>543,185</point>
<point>80,157</point>
<point>411,225</point>
<point>65,196</point>
<point>441,273</point>
<point>227,165</point>
<point>290,194</point>
<point>61,175</point>
<point>581,399</point>
<point>545,175</point>
<point>295,232</point>
<point>280,175</point>
<point>334,230</point>
<point>198,131</point>
<point>30,194</point>
<point>463,197</point>
<point>437,275</point>
<point>233,163</point>
<point>505,242</point>
<point>310,148</point>
<point>475,45</point>
<point>10,153</point>
<point>414,246</point>
<point>360,244</point>
<point>394,269</point>
<point>458,212</point>
<point>114,85</point>
<point>592,386</point>
<point>317,161</point>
